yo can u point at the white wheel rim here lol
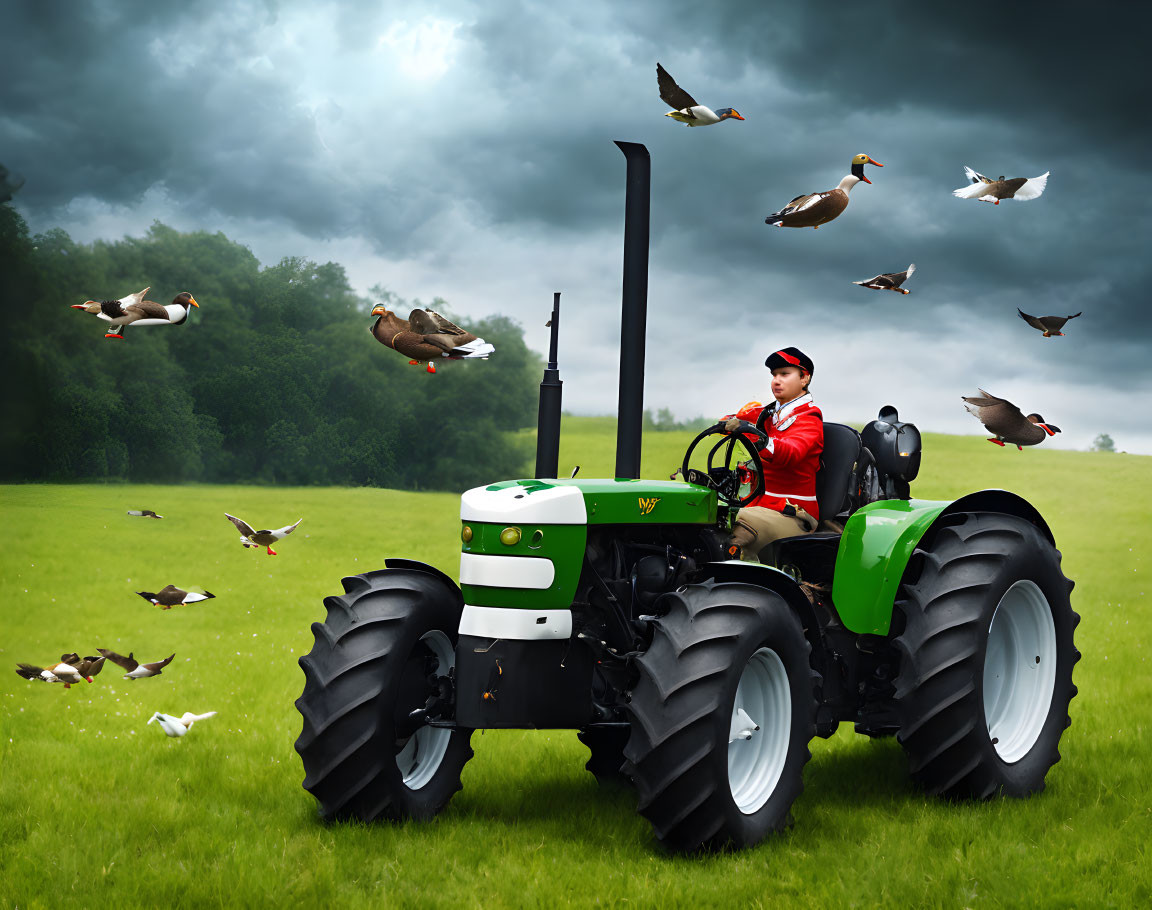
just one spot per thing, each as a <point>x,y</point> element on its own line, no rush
<point>758,731</point>
<point>1019,670</point>
<point>422,754</point>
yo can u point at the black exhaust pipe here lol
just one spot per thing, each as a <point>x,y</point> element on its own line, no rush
<point>634,309</point>
<point>548,415</point>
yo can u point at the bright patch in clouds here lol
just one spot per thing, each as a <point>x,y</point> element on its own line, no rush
<point>424,49</point>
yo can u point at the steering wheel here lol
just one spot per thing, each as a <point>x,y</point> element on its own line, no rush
<point>725,479</point>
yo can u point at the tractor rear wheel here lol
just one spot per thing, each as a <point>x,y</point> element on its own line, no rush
<point>986,659</point>
<point>386,649</point>
<point>721,716</point>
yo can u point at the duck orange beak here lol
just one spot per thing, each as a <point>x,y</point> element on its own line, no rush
<point>81,306</point>
<point>877,163</point>
<point>737,116</point>
<point>192,300</point>
<point>379,310</point>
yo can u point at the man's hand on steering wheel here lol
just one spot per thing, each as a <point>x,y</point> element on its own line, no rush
<point>725,479</point>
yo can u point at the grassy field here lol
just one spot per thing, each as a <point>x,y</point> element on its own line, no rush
<point>98,809</point>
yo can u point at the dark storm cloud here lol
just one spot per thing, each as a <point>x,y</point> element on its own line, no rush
<point>230,109</point>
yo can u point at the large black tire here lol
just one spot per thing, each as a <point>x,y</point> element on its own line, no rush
<point>978,721</point>
<point>607,760</point>
<point>371,664</point>
<point>683,713</point>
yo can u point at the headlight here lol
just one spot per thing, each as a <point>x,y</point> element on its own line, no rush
<point>510,536</point>
<point>466,534</point>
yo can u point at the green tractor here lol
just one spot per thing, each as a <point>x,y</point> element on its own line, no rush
<point>609,606</point>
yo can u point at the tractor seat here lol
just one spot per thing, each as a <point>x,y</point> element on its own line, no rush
<point>834,480</point>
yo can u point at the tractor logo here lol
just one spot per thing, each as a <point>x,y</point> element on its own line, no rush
<point>647,505</point>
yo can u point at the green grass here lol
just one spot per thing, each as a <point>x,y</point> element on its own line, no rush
<point>97,809</point>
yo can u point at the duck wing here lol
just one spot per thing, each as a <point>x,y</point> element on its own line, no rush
<point>157,666</point>
<point>670,93</point>
<point>90,666</point>
<point>281,533</point>
<point>188,718</point>
<point>976,176</point>
<point>1033,321</point>
<point>1032,188</point>
<point>242,526</point>
<point>147,309</point>
<point>429,321</point>
<point>128,663</point>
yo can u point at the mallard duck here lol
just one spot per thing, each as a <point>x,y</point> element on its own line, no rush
<point>144,513</point>
<point>1006,421</point>
<point>889,281</point>
<point>988,190</point>
<point>178,726</point>
<point>170,595</point>
<point>250,538</point>
<point>136,670</point>
<point>1049,325</point>
<point>425,336</point>
<point>135,310</point>
<point>816,209</point>
<point>686,109</point>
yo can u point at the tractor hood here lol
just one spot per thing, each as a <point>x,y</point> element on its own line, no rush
<point>591,501</point>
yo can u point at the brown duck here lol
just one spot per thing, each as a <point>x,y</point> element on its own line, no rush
<point>251,539</point>
<point>426,335</point>
<point>71,669</point>
<point>1006,421</point>
<point>1049,325</point>
<point>136,670</point>
<point>988,190</point>
<point>135,310</point>
<point>816,209</point>
<point>170,596</point>
<point>890,281</point>
<point>144,513</point>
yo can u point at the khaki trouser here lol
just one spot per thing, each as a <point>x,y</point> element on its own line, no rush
<point>757,526</point>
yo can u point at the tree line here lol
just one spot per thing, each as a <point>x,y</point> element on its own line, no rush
<point>275,379</point>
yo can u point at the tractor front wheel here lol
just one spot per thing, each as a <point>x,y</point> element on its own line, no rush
<point>721,716</point>
<point>986,659</point>
<point>385,650</point>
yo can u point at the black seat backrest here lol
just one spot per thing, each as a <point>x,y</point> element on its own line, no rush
<point>841,449</point>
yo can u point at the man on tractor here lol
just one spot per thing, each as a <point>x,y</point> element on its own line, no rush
<point>790,457</point>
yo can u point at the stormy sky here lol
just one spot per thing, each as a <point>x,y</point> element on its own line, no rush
<point>464,150</point>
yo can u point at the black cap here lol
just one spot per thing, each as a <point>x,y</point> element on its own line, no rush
<point>790,357</point>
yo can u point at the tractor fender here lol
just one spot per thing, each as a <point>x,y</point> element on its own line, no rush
<point>878,542</point>
<point>762,576</point>
<point>414,565</point>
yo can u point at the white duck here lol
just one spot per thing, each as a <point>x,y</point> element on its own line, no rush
<point>178,726</point>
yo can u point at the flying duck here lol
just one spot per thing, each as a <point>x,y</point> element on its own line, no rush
<point>178,726</point>
<point>816,209</point>
<point>1049,325</point>
<point>250,538</point>
<point>136,670</point>
<point>426,335</point>
<point>988,190</point>
<point>144,513</point>
<point>135,310</point>
<point>70,670</point>
<point>686,109</point>
<point>889,281</point>
<point>170,595</point>
<point>1005,420</point>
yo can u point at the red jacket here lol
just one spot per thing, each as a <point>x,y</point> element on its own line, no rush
<point>792,455</point>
